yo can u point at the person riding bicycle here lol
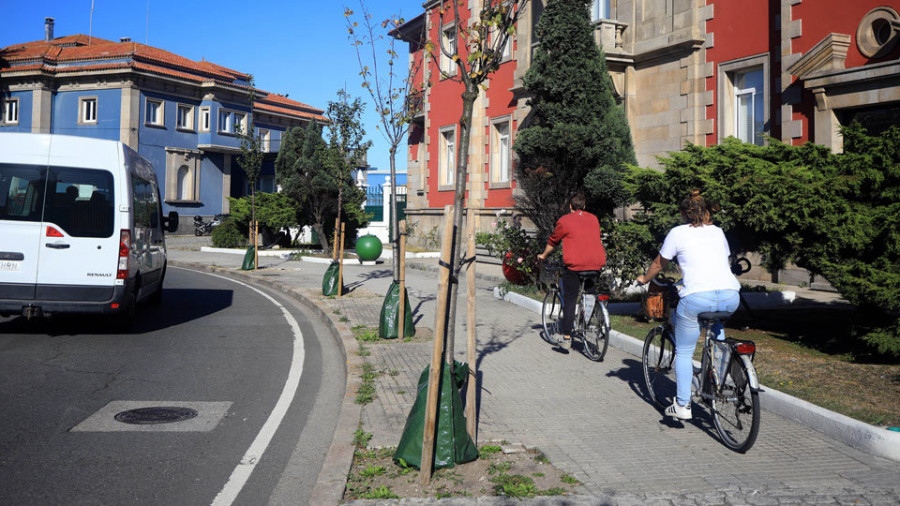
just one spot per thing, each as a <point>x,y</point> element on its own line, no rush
<point>709,285</point>
<point>579,233</point>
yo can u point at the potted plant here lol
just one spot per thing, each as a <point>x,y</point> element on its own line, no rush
<point>516,249</point>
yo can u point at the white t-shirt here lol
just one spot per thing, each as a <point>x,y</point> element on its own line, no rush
<point>703,257</point>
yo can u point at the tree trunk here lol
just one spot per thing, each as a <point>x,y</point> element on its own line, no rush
<point>395,231</point>
<point>323,239</point>
<point>462,165</point>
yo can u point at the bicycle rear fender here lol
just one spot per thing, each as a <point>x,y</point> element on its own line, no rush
<point>751,373</point>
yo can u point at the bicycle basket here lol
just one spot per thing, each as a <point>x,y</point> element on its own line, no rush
<point>549,273</point>
<point>653,305</point>
<point>658,301</point>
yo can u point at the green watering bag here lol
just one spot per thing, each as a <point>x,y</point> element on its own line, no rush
<point>452,444</point>
<point>330,281</point>
<point>389,323</point>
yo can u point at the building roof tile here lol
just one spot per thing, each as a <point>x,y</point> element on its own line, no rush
<point>80,53</point>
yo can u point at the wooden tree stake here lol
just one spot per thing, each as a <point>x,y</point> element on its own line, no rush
<point>401,325</point>
<point>440,333</point>
<point>341,264</point>
<point>334,245</point>
<point>472,342</point>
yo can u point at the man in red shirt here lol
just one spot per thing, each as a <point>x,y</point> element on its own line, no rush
<point>579,232</point>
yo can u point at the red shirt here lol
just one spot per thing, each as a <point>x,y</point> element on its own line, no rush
<point>579,233</point>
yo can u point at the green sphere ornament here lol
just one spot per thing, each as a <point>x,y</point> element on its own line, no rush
<point>368,248</point>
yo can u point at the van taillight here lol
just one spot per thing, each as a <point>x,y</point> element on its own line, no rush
<point>52,232</point>
<point>124,252</point>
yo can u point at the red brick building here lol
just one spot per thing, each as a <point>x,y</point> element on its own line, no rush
<point>685,71</point>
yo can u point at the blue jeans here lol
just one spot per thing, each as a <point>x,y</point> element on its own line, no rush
<point>687,332</point>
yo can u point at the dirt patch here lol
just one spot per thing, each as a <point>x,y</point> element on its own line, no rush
<point>500,470</point>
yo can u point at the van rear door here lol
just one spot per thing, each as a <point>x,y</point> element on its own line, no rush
<point>78,247</point>
<point>22,188</point>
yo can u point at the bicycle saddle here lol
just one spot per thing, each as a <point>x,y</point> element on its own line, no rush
<point>587,274</point>
<point>713,317</point>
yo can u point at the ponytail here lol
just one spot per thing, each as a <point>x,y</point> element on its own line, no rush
<point>695,209</point>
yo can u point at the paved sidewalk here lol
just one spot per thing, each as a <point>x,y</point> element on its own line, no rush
<point>590,419</point>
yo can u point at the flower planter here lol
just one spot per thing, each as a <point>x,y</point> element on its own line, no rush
<point>511,271</point>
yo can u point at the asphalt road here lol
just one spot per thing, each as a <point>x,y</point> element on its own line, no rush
<point>266,393</point>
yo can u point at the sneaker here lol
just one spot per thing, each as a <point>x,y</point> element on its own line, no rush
<point>565,342</point>
<point>679,412</point>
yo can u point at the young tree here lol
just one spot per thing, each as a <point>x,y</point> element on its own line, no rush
<point>477,53</point>
<point>576,136</point>
<point>251,159</point>
<point>391,94</point>
<point>300,171</point>
<point>346,151</point>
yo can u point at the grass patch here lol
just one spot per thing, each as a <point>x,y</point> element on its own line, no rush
<point>571,480</point>
<point>514,485</point>
<point>366,334</point>
<point>375,474</point>
<point>487,451</point>
<point>366,391</point>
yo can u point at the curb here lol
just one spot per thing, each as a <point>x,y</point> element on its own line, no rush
<point>859,435</point>
<point>332,479</point>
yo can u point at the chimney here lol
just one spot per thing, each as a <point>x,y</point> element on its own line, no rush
<point>48,29</point>
<point>124,39</point>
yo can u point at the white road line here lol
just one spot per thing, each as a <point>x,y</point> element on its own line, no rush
<point>245,468</point>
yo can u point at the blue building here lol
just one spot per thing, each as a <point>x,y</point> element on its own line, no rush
<point>182,115</point>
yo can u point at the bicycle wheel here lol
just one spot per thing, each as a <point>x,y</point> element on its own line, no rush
<point>736,409</point>
<point>658,360</point>
<point>551,316</point>
<point>596,334</point>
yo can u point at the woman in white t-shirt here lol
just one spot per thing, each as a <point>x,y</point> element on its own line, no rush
<point>709,285</point>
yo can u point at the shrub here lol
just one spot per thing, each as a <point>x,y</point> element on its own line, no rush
<point>228,235</point>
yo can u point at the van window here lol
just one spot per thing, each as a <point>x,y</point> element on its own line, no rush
<point>145,203</point>
<point>21,187</point>
<point>80,201</point>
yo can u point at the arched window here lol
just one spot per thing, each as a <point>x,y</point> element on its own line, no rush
<point>184,183</point>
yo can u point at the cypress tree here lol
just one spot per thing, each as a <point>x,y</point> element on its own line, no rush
<point>576,137</point>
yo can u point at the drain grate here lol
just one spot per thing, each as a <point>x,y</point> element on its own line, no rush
<point>155,415</point>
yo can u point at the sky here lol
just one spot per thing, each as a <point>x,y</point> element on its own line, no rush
<point>294,47</point>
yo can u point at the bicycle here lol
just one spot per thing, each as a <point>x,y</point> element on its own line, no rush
<point>726,381</point>
<point>591,325</point>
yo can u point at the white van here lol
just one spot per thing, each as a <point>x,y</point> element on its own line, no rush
<point>81,226</point>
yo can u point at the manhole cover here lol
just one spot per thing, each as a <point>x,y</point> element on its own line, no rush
<point>154,415</point>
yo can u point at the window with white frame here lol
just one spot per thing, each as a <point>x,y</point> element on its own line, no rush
<point>185,120</point>
<point>265,140</point>
<point>448,46</point>
<point>599,10</point>
<point>11,111</point>
<point>153,113</point>
<point>743,99</point>
<point>226,121</point>
<point>447,157</point>
<point>240,123</point>
<point>500,152</point>
<point>204,119</point>
<point>87,110</point>
<point>748,106</point>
